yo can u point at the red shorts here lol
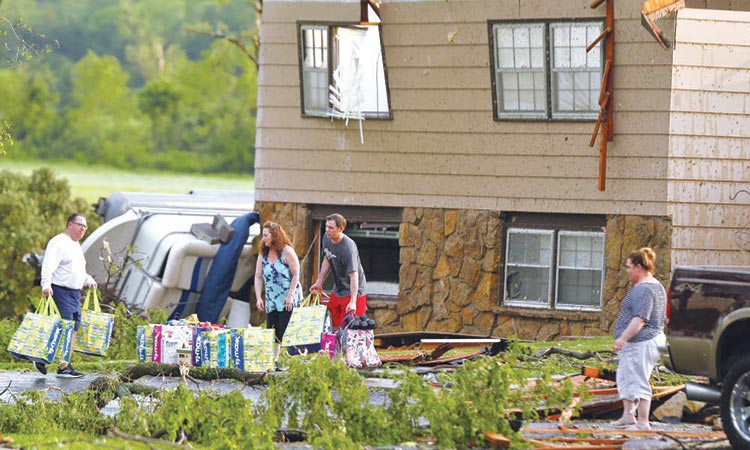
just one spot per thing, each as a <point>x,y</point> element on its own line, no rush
<point>337,308</point>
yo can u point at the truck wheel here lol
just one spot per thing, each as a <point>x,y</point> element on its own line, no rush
<point>735,404</point>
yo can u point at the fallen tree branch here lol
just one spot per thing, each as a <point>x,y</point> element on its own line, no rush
<point>145,440</point>
<point>573,354</point>
<point>6,388</point>
<point>133,372</point>
<point>122,384</point>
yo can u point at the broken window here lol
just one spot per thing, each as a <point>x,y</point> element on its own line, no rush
<point>548,267</point>
<point>375,231</point>
<point>543,71</point>
<point>343,72</point>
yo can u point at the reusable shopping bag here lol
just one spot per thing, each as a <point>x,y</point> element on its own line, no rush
<point>197,345</point>
<point>65,349</point>
<point>328,345</point>
<point>252,349</point>
<point>306,324</point>
<point>359,347</point>
<point>216,348</point>
<point>171,340</point>
<point>95,331</point>
<point>144,337</point>
<point>38,337</point>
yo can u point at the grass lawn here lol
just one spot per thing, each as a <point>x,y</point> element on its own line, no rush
<point>92,182</point>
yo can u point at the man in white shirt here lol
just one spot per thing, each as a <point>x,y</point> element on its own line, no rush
<point>63,276</point>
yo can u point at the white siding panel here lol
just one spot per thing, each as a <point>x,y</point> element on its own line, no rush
<point>692,256</point>
<point>707,123</point>
<point>710,138</point>
<point>709,169</point>
<point>714,215</point>
<point>710,102</point>
<point>731,57</point>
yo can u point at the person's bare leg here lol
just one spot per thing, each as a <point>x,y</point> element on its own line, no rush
<point>644,409</point>
<point>628,409</point>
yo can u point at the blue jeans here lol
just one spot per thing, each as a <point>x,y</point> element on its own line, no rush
<point>68,301</point>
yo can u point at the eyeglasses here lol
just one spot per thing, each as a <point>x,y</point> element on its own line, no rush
<point>84,226</point>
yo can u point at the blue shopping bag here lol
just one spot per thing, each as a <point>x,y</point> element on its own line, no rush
<point>39,335</point>
<point>96,327</point>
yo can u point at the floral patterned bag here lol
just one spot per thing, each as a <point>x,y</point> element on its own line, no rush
<point>360,349</point>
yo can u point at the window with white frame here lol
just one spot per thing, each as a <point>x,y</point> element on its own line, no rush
<point>541,70</point>
<point>342,71</point>
<point>549,268</point>
<point>315,69</point>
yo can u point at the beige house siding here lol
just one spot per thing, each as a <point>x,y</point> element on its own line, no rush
<point>443,149</point>
<point>710,138</point>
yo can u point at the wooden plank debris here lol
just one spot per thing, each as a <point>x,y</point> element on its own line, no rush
<point>651,10</point>
<point>606,117</point>
<point>596,431</point>
<point>430,344</point>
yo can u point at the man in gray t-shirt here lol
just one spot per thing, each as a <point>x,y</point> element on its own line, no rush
<point>341,257</point>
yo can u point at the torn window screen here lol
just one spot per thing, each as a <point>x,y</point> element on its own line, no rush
<point>354,83</point>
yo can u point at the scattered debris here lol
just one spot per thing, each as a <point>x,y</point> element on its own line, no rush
<point>581,430</point>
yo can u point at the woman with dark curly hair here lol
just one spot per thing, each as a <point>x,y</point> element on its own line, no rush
<point>639,332</point>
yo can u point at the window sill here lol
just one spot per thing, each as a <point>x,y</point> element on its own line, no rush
<point>545,119</point>
<point>324,115</point>
<point>382,302</point>
<point>539,313</point>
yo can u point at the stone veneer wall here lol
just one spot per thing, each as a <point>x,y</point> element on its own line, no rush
<point>450,277</point>
<point>451,266</point>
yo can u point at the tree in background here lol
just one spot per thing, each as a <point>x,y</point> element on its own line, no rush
<point>32,209</point>
<point>18,49</point>
<point>28,101</point>
<point>104,124</point>
<point>130,87</point>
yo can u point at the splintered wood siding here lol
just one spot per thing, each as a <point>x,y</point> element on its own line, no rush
<point>710,139</point>
<point>443,147</point>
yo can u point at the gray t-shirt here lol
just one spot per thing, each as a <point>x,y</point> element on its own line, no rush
<point>647,301</point>
<point>344,259</point>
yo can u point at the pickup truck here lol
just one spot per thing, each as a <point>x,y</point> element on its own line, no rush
<point>708,334</point>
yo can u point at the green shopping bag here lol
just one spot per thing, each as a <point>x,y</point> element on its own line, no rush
<point>39,335</point>
<point>96,327</point>
<point>306,324</point>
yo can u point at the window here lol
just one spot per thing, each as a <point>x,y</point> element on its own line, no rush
<point>542,70</point>
<point>315,69</point>
<point>375,231</point>
<point>554,268</point>
<point>342,71</point>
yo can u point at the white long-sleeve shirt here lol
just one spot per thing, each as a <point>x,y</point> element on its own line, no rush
<point>64,264</point>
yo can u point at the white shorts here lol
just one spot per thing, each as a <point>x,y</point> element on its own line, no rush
<point>636,361</point>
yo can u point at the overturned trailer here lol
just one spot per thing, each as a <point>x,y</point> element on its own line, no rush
<point>179,253</point>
